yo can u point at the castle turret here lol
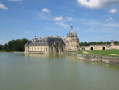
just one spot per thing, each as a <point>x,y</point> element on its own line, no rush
<point>35,39</point>
<point>71,27</point>
<point>71,32</point>
<point>112,42</point>
<point>72,42</point>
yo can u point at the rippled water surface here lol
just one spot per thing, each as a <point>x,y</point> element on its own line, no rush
<point>55,72</point>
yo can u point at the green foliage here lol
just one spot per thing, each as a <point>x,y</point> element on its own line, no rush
<point>93,43</point>
<point>70,51</point>
<point>1,47</point>
<point>84,44</point>
<point>116,43</point>
<point>14,45</point>
<point>80,52</point>
<point>97,43</point>
<point>102,52</point>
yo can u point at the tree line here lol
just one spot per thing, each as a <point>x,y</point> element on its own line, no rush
<point>97,43</point>
<point>18,44</point>
<point>14,45</point>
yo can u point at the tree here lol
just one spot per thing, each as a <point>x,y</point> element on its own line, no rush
<point>16,45</point>
<point>1,47</point>
<point>5,47</point>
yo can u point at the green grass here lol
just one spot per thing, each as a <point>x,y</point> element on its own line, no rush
<point>70,51</point>
<point>3,51</point>
<point>101,52</point>
<point>80,52</point>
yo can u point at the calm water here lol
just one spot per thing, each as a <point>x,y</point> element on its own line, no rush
<point>43,72</point>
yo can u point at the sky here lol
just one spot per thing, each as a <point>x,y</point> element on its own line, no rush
<point>93,20</point>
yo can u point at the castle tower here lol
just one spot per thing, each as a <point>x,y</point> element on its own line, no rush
<point>72,43</point>
<point>71,27</point>
<point>112,42</point>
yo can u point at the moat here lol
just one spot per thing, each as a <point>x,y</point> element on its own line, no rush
<point>20,71</point>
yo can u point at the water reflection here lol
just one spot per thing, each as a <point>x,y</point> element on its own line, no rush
<point>55,72</point>
<point>69,58</point>
<point>43,55</point>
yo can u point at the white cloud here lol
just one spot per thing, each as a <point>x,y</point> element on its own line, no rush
<point>109,19</point>
<point>97,3</point>
<point>112,25</point>
<point>45,10</point>
<point>62,24</point>
<point>113,11</point>
<point>69,18</point>
<point>26,32</point>
<point>58,18</point>
<point>2,6</point>
<point>44,16</point>
<point>2,42</point>
<point>14,0</point>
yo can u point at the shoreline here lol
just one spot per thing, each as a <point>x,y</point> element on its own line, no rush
<point>114,60</point>
<point>99,58</point>
<point>17,52</point>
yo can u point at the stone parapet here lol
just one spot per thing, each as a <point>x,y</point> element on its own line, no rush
<point>99,58</point>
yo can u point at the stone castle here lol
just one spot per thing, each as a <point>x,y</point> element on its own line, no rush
<point>56,44</point>
<point>71,41</point>
<point>100,47</point>
<point>53,44</point>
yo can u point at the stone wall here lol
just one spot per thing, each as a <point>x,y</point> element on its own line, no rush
<point>99,58</point>
<point>100,47</point>
<point>70,53</point>
<point>37,49</point>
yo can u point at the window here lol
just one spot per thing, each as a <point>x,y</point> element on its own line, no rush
<point>92,48</point>
<point>103,48</point>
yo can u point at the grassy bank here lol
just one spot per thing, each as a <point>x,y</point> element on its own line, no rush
<point>101,52</point>
<point>70,51</point>
<point>3,51</point>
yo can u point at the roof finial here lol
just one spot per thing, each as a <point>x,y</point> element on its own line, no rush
<point>71,24</point>
<point>71,27</point>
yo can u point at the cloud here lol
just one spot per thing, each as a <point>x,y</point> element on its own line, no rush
<point>109,19</point>
<point>112,25</point>
<point>62,24</point>
<point>45,10</point>
<point>100,24</point>
<point>113,11</point>
<point>44,16</point>
<point>26,32</point>
<point>97,3</point>
<point>2,42</point>
<point>58,18</point>
<point>69,18</point>
<point>14,0</point>
<point>97,24</point>
<point>2,6</point>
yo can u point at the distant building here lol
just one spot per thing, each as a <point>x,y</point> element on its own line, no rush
<point>100,47</point>
<point>53,44</point>
<point>71,41</point>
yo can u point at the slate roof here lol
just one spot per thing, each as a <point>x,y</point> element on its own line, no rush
<point>45,41</point>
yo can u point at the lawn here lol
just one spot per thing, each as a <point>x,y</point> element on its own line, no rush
<point>101,52</point>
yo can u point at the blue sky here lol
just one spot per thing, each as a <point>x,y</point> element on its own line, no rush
<point>93,20</point>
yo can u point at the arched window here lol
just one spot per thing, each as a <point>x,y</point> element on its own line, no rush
<point>92,48</point>
<point>103,48</point>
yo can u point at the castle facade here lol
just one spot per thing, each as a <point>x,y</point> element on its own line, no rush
<point>71,41</point>
<point>53,44</point>
<point>56,44</point>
